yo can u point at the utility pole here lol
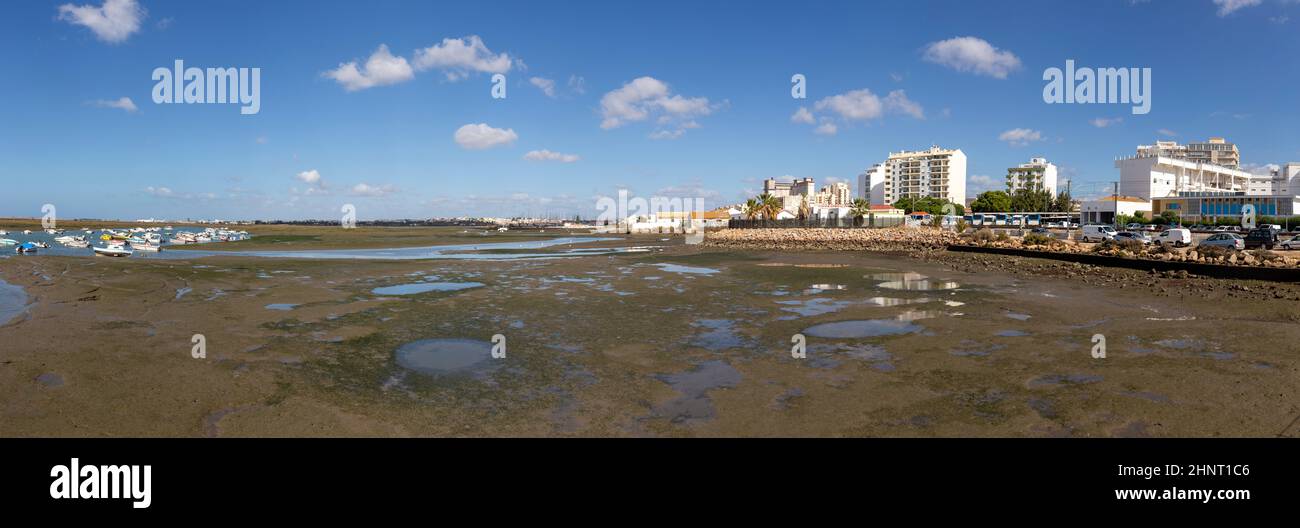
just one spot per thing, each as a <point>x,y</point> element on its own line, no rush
<point>1115,195</point>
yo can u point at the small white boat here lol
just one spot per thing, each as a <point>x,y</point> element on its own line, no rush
<point>8,242</point>
<point>27,231</point>
<point>113,251</point>
<point>3,233</point>
<point>77,244</point>
<point>151,248</point>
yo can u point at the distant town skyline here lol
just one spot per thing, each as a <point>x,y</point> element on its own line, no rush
<point>390,105</point>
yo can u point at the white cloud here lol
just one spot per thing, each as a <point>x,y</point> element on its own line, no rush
<point>802,115</point>
<point>481,136</point>
<point>897,77</point>
<point>546,155</point>
<point>578,84</point>
<point>1019,137</point>
<point>667,134</point>
<point>638,99</point>
<point>1103,122</point>
<point>1228,7</point>
<point>897,101</point>
<point>460,57</point>
<point>365,189</point>
<point>978,183</point>
<point>161,192</point>
<point>858,105</point>
<point>973,55</point>
<point>123,103</point>
<point>381,69</point>
<point>1167,132</point>
<point>547,86</point>
<point>311,177</point>
<point>827,128</point>
<point>112,22</point>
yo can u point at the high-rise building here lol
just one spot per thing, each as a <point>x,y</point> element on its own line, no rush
<point>871,184</point>
<point>1038,174</point>
<point>1214,151</point>
<point>837,194</point>
<point>934,173</point>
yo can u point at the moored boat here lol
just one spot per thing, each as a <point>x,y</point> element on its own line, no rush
<point>113,251</point>
<point>146,247</point>
<point>26,247</point>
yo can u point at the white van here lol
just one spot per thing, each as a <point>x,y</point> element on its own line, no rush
<point>1176,236</point>
<point>1097,233</point>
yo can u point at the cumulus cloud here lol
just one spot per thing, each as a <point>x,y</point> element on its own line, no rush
<point>972,55</point>
<point>311,177</point>
<point>381,69</point>
<point>640,98</point>
<point>827,128</point>
<point>667,134</point>
<point>546,155</point>
<point>1228,7</point>
<point>859,105</point>
<point>365,189</point>
<point>458,58</point>
<point>123,103</point>
<point>578,84</point>
<point>113,22</point>
<point>547,86</point>
<point>480,136</point>
<point>978,183</point>
<point>1103,122</point>
<point>802,115</point>
<point>161,192</point>
<point>1019,137</point>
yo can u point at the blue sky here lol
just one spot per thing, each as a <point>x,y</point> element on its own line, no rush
<point>687,99</point>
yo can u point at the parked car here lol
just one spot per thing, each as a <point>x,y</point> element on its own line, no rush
<point>1134,226</point>
<point>1175,236</point>
<point>1041,231</point>
<point>1133,235</point>
<point>1264,237</point>
<point>1292,243</point>
<point>1227,240</point>
<point>1222,229</point>
<point>1097,233</point>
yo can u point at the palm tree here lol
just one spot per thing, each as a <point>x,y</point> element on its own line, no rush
<point>771,206</point>
<point>751,208</point>
<point>860,209</point>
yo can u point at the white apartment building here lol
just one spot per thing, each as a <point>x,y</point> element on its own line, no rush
<point>937,173</point>
<point>1037,174</point>
<point>1149,177</point>
<point>871,184</point>
<point>837,194</point>
<point>1215,151</point>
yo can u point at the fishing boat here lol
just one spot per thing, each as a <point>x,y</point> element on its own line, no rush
<point>78,243</point>
<point>27,231</point>
<point>152,248</point>
<point>113,251</point>
<point>27,247</point>
<point>8,242</point>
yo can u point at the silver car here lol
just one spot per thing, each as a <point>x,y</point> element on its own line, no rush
<point>1227,240</point>
<point>1133,235</point>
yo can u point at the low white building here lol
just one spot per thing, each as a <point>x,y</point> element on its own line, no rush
<point>1103,210</point>
<point>1159,176</point>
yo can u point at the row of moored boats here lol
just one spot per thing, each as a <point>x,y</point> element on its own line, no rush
<point>125,242</point>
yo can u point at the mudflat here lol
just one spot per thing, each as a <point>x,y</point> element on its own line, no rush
<point>676,341</point>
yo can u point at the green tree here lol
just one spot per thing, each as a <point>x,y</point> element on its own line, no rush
<point>991,202</point>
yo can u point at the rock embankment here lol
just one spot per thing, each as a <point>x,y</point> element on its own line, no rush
<point>894,239</point>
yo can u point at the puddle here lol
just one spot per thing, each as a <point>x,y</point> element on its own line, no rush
<point>50,379</point>
<point>695,405</point>
<point>180,292</point>
<point>863,328</point>
<point>425,287</point>
<point>721,335</point>
<point>13,301</point>
<point>1017,316</point>
<point>281,307</point>
<point>443,356</point>
<point>911,282</point>
<point>678,268</point>
<point>1057,380</point>
<point>1011,333</point>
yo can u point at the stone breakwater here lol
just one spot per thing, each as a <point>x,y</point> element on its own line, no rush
<point>862,239</point>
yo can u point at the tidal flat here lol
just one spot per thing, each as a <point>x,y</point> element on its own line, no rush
<point>675,340</point>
